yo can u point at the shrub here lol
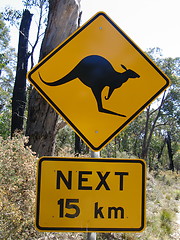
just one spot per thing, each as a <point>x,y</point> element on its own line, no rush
<point>17,165</point>
<point>17,193</point>
<point>166,220</point>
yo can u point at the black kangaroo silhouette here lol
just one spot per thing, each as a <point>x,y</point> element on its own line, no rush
<point>97,72</point>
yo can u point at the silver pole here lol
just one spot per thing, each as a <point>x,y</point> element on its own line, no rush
<point>92,235</point>
<point>95,154</point>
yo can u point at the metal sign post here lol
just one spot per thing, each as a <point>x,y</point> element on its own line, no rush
<point>95,154</point>
<point>92,235</point>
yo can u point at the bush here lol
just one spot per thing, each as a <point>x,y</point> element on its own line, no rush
<point>166,220</point>
<point>17,193</point>
<point>17,164</point>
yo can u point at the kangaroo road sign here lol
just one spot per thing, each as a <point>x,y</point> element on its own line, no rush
<point>101,195</point>
<point>98,80</point>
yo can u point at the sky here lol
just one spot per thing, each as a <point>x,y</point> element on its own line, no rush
<point>149,23</point>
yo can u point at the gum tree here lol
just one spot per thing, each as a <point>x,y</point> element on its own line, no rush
<point>63,20</point>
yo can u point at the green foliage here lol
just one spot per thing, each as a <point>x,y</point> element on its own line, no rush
<point>4,44</point>
<point>171,105</point>
<point>11,15</point>
<point>65,140</point>
<point>5,123</point>
<point>35,3</point>
<point>4,34</point>
<point>7,67</point>
<point>7,58</point>
<point>176,160</point>
<point>166,220</point>
<point>145,136</point>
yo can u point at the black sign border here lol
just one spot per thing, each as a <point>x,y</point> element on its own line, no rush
<point>167,82</point>
<point>102,160</point>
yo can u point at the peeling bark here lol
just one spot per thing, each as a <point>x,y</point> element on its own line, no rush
<point>42,119</point>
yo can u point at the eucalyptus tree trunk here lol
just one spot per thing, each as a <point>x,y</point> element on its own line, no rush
<point>148,133</point>
<point>42,119</point>
<point>19,91</point>
<point>170,151</point>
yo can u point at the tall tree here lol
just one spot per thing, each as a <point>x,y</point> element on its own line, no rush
<point>7,68</point>
<point>170,152</point>
<point>40,18</point>
<point>167,104</point>
<point>152,117</point>
<point>146,136</point>
<point>19,92</point>
<point>171,109</point>
<point>42,119</point>
<point>13,16</point>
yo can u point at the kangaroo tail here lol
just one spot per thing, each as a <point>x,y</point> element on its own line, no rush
<point>61,81</point>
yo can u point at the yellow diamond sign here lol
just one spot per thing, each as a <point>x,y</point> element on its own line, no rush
<point>98,80</point>
<point>101,195</point>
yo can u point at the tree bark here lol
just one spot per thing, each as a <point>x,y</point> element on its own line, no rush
<point>170,151</point>
<point>19,92</point>
<point>148,136</point>
<point>41,125</point>
<point>144,144</point>
<point>77,145</point>
<point>161,150</point>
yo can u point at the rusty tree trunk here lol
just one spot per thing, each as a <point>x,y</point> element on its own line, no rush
<point>42,119</point>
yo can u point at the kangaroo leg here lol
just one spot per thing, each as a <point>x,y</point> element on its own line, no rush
<point>97,94</point>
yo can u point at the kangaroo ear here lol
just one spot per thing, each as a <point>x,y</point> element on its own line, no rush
<point>123,67</point>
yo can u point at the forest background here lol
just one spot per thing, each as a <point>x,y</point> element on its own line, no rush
<point>153,136</point>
